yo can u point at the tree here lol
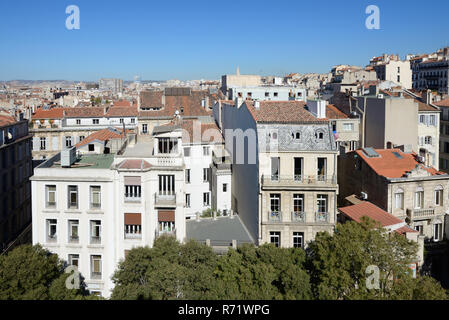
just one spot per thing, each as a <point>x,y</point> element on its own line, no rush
<point>338,264</point>
<point>169,270</point>
<point>33,273</point>
<point>263,273</point>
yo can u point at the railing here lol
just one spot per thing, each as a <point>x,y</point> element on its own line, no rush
<point>275,216</point>
<point>164,161</point>
<point>321,217</point>
<point>298,216</point>
<point>159,233</point>
<point>302,180</point>
<point>421,213</point>
<point>74,239</point>
<point>52,238</point>
<point>165,199</point>
<point>132,197</point>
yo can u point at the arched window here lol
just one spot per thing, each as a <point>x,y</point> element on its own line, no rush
<point>399,199</point>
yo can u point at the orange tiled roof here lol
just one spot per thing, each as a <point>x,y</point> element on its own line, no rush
<point>390,166</point>
<point>102,135</point>
<point>405,229</point>
<point>84,112</point>
<point>53,113</point>
<point>367,209</point>
<point>332,112</point>
<point>6,120</point>
<point>209,132</point>
<point>122,112</point>
<point>122,103</point>
<point>136,164</point>
<point>442,103</point>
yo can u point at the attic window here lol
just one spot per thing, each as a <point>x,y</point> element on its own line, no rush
<point>296,135</point>
<point>91,147</point>
<point>182,109</point>
<point>319,135</point>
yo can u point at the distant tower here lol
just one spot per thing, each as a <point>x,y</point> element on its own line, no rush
<point>238,71</point>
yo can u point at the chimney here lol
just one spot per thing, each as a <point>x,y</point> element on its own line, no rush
<point>428,97</point>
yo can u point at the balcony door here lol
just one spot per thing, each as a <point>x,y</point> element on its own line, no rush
<point>322,169</point>
<point>275,168</point>
<point>298,168</point>
<point>166,185</point>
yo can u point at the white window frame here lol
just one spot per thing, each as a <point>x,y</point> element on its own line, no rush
<point>206,199</point>
<point>95,231</point>
<point>47,196</point>
<point>95,190</point>
<point>275,238</point>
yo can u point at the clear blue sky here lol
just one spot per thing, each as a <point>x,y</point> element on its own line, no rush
<point>160,40</point>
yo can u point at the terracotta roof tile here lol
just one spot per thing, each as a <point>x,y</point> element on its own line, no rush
<point>281,112</point>
<point>390,166</point>
<point>442,103</point>
<point>6,120</point>
<point>122,112</point>
<point>136,164</point>
<point>367,209</point>
<point>84,112</point>
<point>332,112</point>
<point>102,135</point>
<point>53,113</point>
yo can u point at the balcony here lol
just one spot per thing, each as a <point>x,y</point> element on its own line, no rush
<point>73,239</point>
<point>166,161</point>
<point>132,197</point>
<point>298,217</point>
<point>52,238</point>
<point>322,217</point>
<point>421,213</point>
<point>95,275</point>
<point>275,216</point>
<point>165,200</point>
<point>295,181</point>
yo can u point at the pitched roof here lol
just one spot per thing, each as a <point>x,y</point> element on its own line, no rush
<point>122,112</point>
<point>122,103</point>
<point>84,112</point>
<point>442,103</point>
<point>53,113</point>
<point>209,132</point>
<point>390,166</point>
<point>370,210</point>
<point>332,112</point>
<point>6,120</point>
<point>281,112</point>
<point>101,135</point>
<point>136,164</point>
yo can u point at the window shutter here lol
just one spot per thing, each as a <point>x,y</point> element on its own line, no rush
<point>166,216</point>
<point>133,218</point>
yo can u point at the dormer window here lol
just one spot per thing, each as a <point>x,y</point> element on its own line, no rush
<point>319,135</point>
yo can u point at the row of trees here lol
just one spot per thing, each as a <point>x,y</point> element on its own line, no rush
<point>332,268</point>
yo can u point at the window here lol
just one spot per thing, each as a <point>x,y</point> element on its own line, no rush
<point>50,196</point>
<point>95,231</point>
<point>422,119</point>
<point>133,120</point>
<point>419,198</point>
<point>205,174</point>
<point>298,168</point>
<point>91,147</point>
<point>74,260</point>
<point>43,143</point>
<point>428,140</point>
<point>321,166</point>
<point>437,234</point>
<point>167,145</point>
<point>144,128</point>
<point>166,185</point>
<point>132,188</point>
<point>439,196</point>
<point>275,238</point>
<point>298,203</point>
<point>225,187</point>
<point>399,78</point>
<point>72,197</point>
<point>348,126</point>
<point>95,121</point>
<point>73,230</point>
<point>297,135</point>
<point>420,229</point>
<point>267,94</point>
<point>206,200</point>
<point>51,230</point>
<point>298,239</point>
<point>432,121</point>
<point>95,266</point>
<point>187,200</point>
<point>274,135</point>
<point>275,94</point>
<point>322,203</point>
<point>275,166</point>
<point>121,120</point>
<point>133,225</point>
<point>206,151</point>
<point>95,197</point>
<point>187,152</point>
<point>275,206</point>
<point>399,199</point>
<point>78,121</point>
<point>82,138</point>
<point>187,175</point>
<point>166,226</point>
<point>68,141</point>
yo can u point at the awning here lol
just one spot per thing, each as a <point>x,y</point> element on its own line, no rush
<point>133,219</point>
<point>167,216</point>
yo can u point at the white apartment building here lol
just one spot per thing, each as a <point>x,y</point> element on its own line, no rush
<point>91,208</point>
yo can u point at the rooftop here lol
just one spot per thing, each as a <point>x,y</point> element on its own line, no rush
<point>84,161</point>
<point>393,163</point>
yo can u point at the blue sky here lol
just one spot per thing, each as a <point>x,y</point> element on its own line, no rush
<point>160,40</point>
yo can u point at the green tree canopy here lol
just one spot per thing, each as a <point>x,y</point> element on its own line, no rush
<point>338,264</point>
<point>33,273</point>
